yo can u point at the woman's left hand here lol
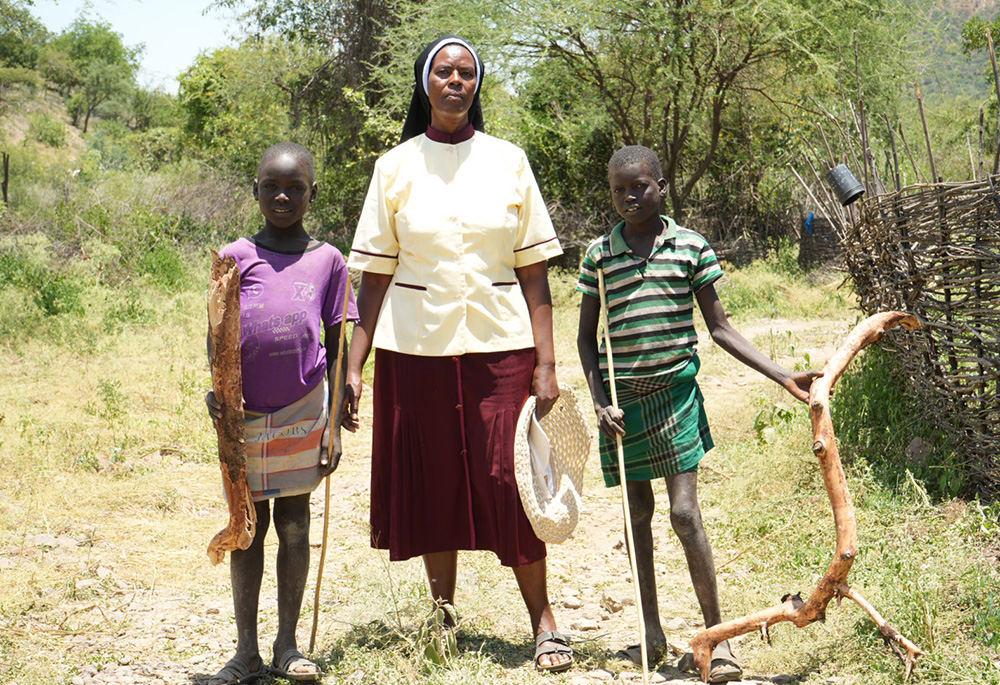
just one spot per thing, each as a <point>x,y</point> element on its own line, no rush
<point>545,388</point>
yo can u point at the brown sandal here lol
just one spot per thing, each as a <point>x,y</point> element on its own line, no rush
<point>552,642</point>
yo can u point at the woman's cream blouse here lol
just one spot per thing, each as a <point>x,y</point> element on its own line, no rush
<point>450,223</point>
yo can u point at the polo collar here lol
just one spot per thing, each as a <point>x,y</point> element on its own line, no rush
<point>620,247</point>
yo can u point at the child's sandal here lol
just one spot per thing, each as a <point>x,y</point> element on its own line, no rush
<point>724,668</point>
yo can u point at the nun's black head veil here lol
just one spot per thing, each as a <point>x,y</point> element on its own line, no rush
<point>419,116</point>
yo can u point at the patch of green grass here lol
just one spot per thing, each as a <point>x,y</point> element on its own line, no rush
<point>125,310</point>
<point>877,419</point>
<point>920,563</point>
<point>24,265</point>
<point>776,287</point>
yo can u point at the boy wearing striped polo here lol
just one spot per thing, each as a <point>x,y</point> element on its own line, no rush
<point>654,271</point>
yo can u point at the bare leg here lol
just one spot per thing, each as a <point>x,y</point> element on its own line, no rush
<point>291,523</point>
<point>685,517</point>
<point>442,571</point>
<point>641,506</point>
<point>531,580</point>
<point>246,568</point>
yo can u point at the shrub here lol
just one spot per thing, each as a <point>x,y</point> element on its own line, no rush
<point>878,419</point>
<point>25,266</point>
<point>47,130</point>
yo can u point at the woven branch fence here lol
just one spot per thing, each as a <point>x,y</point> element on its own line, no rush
<point>933,250</point>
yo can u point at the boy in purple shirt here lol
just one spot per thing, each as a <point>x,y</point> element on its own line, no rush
<point>291,287</point>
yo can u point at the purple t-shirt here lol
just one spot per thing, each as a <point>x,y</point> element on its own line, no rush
<point>286,300</point>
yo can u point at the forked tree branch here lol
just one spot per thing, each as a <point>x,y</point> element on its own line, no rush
<point>834,583</point>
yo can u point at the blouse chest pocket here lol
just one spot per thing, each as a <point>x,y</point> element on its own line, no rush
<point>490,233</point>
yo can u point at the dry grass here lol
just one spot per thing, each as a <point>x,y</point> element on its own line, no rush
<point>107,449</point>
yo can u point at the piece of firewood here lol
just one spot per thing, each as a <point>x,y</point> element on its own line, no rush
<point>227,383</point>
<point>834,584</point>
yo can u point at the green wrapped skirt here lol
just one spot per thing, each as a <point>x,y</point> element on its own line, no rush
<point>666,430</point>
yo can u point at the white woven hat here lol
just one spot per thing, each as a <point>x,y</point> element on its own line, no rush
<point>549,458</point>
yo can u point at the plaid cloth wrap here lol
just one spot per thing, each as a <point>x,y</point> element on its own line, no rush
<point>666,430</point>
<point>283,447</point>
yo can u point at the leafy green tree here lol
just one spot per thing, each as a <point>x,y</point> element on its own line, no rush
<point>57,67</point>
<point>143,108</point>
<point>669,75</point>
<point>151,109</point>
<point>233,105</point>
<point>87,41</point>
<point>21,35</point>
<point>92,64</point>
<point>102,81</point>
<point>332,105</point>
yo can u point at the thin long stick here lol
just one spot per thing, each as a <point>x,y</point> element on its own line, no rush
<point>996,82</point>
<point>927,135</point>
<point>334,416</point>
<point>621,480</point>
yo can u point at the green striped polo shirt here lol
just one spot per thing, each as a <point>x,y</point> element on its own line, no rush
<point>650,301</point>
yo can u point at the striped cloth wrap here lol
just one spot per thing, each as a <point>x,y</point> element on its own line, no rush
<point>284,447</point>
<point>666,430</point>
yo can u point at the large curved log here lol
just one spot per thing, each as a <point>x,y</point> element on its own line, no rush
<point>834,584</point>
<point>227,383</point>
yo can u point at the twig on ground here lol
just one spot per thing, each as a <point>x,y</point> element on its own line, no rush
<point>716,471</point>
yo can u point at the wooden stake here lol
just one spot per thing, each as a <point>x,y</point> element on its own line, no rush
<point>927,134</point>
<point>895,155</point>
<point>335,406</point>
<point>996,83</point>
<point>6,176</point>
<point>621,479</point>
<point>909,152</point>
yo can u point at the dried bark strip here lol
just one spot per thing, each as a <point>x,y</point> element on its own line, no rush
<point>227,383</point>
<point>834,584</point>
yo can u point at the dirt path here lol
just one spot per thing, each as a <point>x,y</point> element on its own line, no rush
<point>111,615</point>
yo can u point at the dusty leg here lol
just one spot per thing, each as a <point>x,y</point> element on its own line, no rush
<point>246,568</point>
<point>442,571</point>
<point>641,505</point>
<point>685,517</point>
<point>291,523</point>
<point>531,580</point>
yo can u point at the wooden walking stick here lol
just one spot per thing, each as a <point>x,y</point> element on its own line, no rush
<point>621,478</point>
<point>334,419</point>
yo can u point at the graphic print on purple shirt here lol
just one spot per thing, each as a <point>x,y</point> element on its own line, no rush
<point>286,301</point>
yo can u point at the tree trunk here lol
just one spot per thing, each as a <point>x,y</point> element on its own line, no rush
<point>6,176</point>
<point>227,383</point>
<point>834,583</point>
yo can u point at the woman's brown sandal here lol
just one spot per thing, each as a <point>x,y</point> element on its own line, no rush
<point>552,642</point>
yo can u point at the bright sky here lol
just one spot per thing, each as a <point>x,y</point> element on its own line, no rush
<point>173,31</point>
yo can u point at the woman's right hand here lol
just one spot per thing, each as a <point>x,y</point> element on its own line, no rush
<point>611,421</point>
<point>214,408</point>
<point>352,398</point>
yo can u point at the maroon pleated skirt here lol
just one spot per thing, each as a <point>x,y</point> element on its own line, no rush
<point>443,455</point>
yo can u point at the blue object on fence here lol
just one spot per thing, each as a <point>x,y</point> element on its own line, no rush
<point>809,223</point>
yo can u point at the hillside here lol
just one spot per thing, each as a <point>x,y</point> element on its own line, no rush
<point>23,106</point>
